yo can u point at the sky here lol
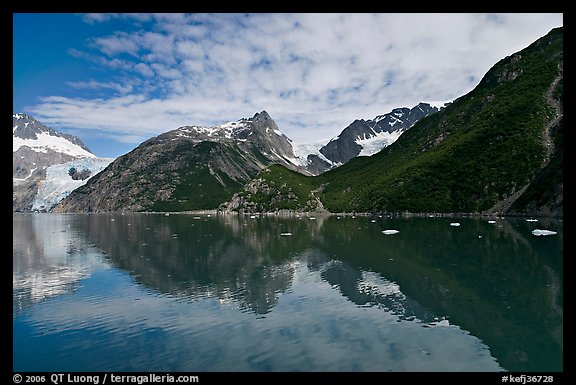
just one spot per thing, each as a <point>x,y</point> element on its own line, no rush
<point>115,80</point>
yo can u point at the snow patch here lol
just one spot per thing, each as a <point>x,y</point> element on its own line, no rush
<point>376,143</point>
<point>301,152</point>
<point>46,141</point>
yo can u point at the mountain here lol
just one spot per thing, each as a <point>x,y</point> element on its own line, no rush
<point>497,149</point>
<point>38,153</point>
<point>366,137</point>
<point>189,168</point>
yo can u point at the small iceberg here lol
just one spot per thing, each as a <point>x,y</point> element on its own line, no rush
<point>531,220</point>
<point>454,224</point>
<point>539,232</point>
<point>285,234</point>
<point>390,232</point>
<point>443,322</point>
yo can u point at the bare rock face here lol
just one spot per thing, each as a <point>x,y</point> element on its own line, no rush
<point>189,168</point>
<point>352,140</point>
<point>365,137</point>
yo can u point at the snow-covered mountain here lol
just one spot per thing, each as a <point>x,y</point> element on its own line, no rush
<point>362,138</point>
<point>47,165</point>
<point>260,131</point>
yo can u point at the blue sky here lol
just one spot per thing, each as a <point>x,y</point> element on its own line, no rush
<point>115,80</point>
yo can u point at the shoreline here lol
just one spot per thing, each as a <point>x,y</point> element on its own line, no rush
<point>291,213</point>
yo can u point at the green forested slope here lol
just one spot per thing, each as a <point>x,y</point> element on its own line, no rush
<point>484,148</point>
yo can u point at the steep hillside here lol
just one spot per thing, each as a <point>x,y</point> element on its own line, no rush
<point>189,168</point>
<point>496,149</point>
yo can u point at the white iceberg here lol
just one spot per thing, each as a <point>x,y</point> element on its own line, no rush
<point>539,232</point>
<point>390,232</point>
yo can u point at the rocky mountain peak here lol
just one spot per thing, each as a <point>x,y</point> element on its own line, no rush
<point>263,121</point>
<point>262,115</point>
<point>26,127</point>
<point>366,137</point>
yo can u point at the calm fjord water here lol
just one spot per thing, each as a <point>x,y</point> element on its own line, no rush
<point>150,292</point>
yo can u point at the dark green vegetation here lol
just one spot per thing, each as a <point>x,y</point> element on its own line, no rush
<point>275,188</point>
<point>197,185</point>
<point>476,155</point>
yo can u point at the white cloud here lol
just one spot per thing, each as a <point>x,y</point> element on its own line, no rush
<point>94,85</point>
<point>144,69</point>
<point>117,44</point>
<point>314,73</point>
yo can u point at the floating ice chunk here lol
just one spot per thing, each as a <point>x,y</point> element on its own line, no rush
<point>285,234</point>
<point>531,220</point>
<point>454,224</point>
<point>390,232</point>
<point>443,322</point>
<point>539,232</point>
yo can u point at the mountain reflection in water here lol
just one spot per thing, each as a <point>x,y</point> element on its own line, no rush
<point>495,282</point>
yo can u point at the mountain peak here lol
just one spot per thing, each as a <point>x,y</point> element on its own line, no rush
<point>261,115</point>
<point>264,119</point>
<point>19,116</point>
<point>29,132</point>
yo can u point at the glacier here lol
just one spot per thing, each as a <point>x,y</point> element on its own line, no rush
<point>59,184</point>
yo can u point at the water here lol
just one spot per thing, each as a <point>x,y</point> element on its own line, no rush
<point>150,292</point>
